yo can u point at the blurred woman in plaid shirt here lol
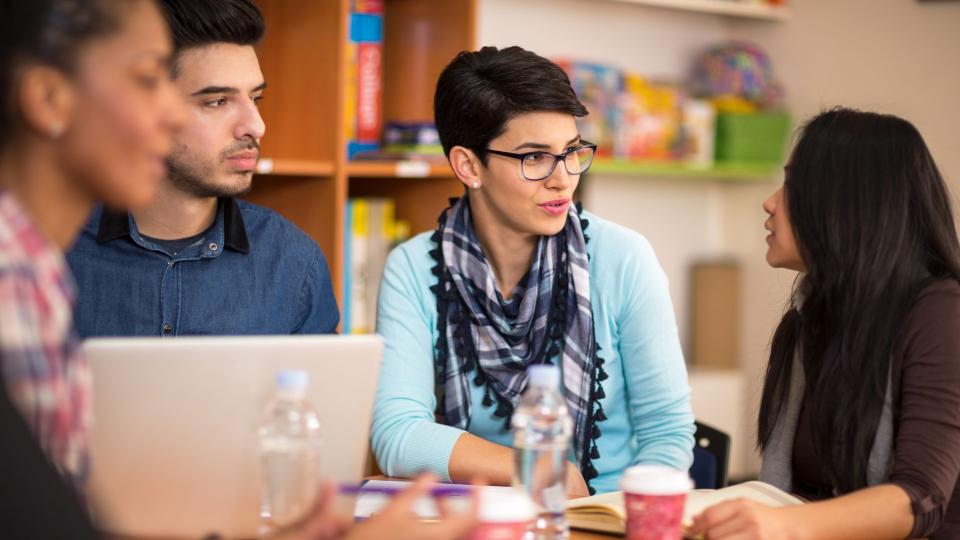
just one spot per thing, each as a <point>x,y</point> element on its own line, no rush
<point>87,113</point>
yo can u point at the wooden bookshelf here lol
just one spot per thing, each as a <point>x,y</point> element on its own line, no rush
<point>296,167</point>
<point>399,169</point>
<point>304,173</point>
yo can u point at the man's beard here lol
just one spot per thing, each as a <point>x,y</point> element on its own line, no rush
<point>193,177</point>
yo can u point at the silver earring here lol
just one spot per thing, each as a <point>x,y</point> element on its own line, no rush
<point>476,185</point>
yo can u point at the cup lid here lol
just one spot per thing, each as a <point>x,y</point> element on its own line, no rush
<point>498,504</point>
<point>655,480</point>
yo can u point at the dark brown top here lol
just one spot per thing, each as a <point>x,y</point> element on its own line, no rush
<point>926,400</point>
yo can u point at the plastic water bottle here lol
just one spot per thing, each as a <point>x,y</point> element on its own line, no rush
<point>542,429</point>
<point>289,453</point>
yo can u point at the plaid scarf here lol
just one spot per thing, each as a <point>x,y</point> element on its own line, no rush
<point>492,341</point>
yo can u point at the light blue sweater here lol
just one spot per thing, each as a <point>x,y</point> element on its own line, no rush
<point>647,396</point>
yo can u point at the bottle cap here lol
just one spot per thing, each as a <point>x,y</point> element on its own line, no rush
<point>293,382</point>
<point>543,376</point>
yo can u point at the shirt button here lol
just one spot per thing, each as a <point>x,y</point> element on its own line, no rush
<point>213,246</point>
<point>167,329</point>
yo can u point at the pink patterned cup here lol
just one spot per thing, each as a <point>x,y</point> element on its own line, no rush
<point>654,497</point>
<point>504,514</point>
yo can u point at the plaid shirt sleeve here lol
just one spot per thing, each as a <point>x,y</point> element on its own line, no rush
<point>45,373</point>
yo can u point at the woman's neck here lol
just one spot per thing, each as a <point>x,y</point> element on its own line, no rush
<point>509,252</point>
<point>57,204</point>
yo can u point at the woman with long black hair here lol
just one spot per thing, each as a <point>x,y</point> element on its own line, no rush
<point>861,405</point>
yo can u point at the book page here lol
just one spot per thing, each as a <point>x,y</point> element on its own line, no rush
<point>611,503</point>
<point>701,499</point>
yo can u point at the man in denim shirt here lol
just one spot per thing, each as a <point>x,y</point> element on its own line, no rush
<point>198,261</point>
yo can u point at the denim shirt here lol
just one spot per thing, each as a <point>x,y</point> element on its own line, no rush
<point>254,272</point>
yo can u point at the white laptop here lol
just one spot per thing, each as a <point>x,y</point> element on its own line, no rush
<point>174,440</point>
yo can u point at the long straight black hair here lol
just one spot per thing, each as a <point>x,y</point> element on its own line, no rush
<point>873,223</point>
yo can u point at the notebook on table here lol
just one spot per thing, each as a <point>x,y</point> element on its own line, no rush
<point>605,512</point>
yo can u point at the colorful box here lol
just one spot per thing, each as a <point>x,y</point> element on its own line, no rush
<point>364,98</point>
<point>752,138</point>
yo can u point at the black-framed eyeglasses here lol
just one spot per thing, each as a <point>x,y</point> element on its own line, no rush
<point>539,165</point>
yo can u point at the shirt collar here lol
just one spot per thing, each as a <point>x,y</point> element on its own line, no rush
<point>115,225</point>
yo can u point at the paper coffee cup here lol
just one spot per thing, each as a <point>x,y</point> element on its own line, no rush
<point>504,514</point>
<point>654,497</point>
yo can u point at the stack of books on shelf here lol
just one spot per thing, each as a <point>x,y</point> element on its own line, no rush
<point>371,231</point>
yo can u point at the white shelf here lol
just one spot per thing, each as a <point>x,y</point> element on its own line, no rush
<point>729,8</point>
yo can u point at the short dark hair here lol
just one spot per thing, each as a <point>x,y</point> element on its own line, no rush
<point>480,91</point>
<point>195,23</point>
<point>50,32</point>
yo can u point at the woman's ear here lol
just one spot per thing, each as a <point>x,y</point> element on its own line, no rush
<point>466,165</point>
<point>46,99</point>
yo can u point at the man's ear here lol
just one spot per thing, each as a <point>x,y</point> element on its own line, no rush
<point>46,100</point>
<point>467,166</point>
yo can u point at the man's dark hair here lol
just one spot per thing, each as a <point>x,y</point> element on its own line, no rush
<point>195,23</point>
<point>480,91</point>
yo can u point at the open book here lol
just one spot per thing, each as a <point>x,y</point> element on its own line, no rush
<point>606,512</point>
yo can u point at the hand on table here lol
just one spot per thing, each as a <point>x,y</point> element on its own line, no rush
<point>742,519</point>
<point>323,523</point>
<point>397,520</point>
<point>576,485</point>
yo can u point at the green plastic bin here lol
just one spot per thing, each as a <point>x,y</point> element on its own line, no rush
<point>752,138</point>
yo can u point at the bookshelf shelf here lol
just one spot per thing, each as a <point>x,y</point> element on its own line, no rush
<point>305,174</point>
<point>728,8</point>
<point>745,172</point>
<point>295,167</point>
<point>399,169</point>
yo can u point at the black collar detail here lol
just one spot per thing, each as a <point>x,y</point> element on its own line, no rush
<point>115,225</point>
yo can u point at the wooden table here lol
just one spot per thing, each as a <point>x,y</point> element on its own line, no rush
<point>574,535</point>
<point>584,535</point>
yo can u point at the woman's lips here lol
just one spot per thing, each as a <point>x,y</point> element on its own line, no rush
<point>556,207</point>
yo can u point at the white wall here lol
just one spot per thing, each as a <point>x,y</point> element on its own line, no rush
<point>655,42</point>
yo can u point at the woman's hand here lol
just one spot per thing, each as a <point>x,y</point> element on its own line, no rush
<point>742,519</point>
<point>323,523</point>
<point>576,485</point>
<point>397,520</point>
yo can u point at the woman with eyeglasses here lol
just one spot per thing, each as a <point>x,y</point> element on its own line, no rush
<point>514,275</point>
<point>861,404</point>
